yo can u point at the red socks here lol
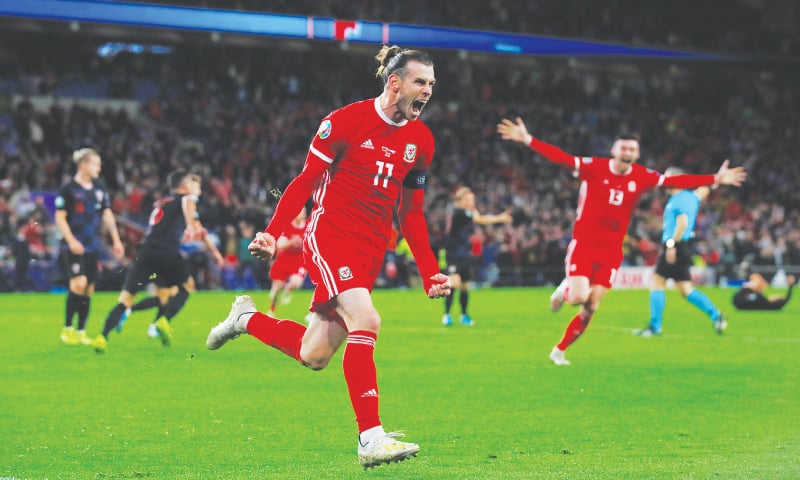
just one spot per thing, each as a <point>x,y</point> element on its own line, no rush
<point>574,330</point>
<point>285,335</point>
<point>358,362</point>
<point>361,377</point>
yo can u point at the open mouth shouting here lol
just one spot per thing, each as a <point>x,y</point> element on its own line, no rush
<point>417,106</point>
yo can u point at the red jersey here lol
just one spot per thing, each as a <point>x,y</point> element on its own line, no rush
<point>607,198</point>
<point>360,166</point>
<point>369,157</point>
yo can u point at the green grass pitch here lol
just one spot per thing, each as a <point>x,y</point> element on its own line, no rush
<point>482,402</point>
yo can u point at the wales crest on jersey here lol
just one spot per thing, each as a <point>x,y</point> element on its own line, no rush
<point>410,153</point>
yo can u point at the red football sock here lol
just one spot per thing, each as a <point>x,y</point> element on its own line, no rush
<point>361,377</point>
<point>574,330</point>
<point>285,335</point>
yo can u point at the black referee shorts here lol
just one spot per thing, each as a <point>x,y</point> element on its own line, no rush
<point>678,271</point>
<point>466,267</point>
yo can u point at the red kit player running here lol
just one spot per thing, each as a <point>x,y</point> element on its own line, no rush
<point>287,271</point>
<point>610,189</point>
<point>364,157</point>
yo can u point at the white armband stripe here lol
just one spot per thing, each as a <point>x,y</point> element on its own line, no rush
<point>320,155</point>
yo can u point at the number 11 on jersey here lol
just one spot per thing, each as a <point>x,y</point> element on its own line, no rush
<point>389,168</point>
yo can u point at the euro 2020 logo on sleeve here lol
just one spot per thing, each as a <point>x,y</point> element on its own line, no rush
<point>324,129</point>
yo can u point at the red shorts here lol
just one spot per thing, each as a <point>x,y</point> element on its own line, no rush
<point>599,262</point>
<point>335,267</point>
<point>287,264</point>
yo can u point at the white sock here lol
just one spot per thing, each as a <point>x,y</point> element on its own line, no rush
<point>369,434</point>
<point>244,319</point>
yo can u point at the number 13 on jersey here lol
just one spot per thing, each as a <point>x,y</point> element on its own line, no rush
<point>615,196</point>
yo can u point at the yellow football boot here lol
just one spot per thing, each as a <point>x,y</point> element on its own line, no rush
<point>99,343</point>
<point>68,336</point>
<point>82,338</point>
<point>164,331</point>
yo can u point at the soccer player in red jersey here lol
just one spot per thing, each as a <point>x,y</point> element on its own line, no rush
<point>287,271</point>
<point>364,157</point>
<point>610,189</point>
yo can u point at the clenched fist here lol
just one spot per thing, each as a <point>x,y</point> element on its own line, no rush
<point>263,246</point>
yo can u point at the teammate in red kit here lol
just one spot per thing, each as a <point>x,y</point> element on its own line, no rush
<point>364,157</point>
<point>610,189</point>
<point>287,271</point>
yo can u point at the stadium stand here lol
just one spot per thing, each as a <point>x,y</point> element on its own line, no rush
<point>244,116</point>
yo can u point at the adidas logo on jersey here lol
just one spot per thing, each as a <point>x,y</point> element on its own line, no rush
<point>368,144</point>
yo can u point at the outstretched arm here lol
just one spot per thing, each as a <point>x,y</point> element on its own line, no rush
<point>730,176</point>
<point>488,219</point>
<point>725,176</point>
<point>517,132</point>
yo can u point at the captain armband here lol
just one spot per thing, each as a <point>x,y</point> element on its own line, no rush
<point>416,179</point>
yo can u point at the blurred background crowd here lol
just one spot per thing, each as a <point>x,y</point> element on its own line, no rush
<point>243,117</point>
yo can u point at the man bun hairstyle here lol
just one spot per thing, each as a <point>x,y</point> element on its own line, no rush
<point>83,154</point>
<point>394,60</point>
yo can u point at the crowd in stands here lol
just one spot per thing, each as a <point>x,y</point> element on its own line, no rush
<point>243,118</point>
<point>738,26</point>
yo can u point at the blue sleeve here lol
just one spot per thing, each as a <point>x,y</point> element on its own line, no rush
<point>686,203</point>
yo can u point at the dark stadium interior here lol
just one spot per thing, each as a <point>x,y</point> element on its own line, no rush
<point>240,111</point>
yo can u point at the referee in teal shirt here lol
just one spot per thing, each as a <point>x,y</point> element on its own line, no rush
<point>675,258</point>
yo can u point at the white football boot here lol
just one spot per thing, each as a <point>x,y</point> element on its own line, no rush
<point>720,324</point>
<point>384,448</point>
<point>557,356</point>
<point>234,325</point>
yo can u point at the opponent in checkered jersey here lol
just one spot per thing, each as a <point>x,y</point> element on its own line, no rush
<point>83,210</point>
